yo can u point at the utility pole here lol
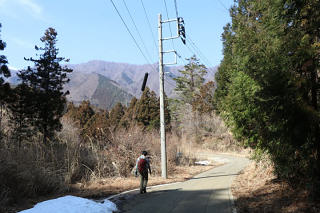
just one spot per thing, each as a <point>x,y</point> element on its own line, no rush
<point>180,33</point>
<point>162,121</point>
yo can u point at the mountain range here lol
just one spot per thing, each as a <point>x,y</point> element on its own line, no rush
<point>106,83</point>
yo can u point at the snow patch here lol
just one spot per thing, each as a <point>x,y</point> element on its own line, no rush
<point>72,204</point>
<point>203,162</point>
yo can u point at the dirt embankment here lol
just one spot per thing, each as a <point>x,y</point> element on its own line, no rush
<point>256,189</point>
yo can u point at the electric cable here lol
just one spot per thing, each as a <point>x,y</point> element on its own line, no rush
<point>199,52</point>
<point>165,4</point>
<point>223,5</point>
<point>175,5</point>
<point>147,17</point>
<point>135,41</point>
<point>193,52</point>
<point>139,34</point>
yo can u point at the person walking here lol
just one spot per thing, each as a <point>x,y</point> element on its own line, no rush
<point>142,167</point>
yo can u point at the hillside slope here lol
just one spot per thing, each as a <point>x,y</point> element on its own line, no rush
<point>130,76</point>
<point>106,83</point>
<point>98,89</point>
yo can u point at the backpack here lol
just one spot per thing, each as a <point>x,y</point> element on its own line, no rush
<point>142,165</point>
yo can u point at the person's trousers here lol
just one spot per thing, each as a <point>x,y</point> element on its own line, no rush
<point>143,181</point>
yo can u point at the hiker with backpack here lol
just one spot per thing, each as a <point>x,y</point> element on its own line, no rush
<point>143,166</point>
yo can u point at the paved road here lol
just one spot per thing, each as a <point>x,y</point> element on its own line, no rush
<point>206,192</point>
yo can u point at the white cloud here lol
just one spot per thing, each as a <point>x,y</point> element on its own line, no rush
<point>31,5</point>
<point>9,8</point>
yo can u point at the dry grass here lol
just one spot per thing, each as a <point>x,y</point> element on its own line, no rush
<point>101,166</point>
<point>104,187</point>
<point>92,169</point>
<point>258,190</point>
<point>206,132</point>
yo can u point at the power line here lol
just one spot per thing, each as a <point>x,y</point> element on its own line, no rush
<point>173,46</point>
<point>199,51</point>
<point>175,5</point>
<point>193,45</point>
<point>135,41</point>
<point>134,24</point>
<point>168,82</point>
<point>194,52</point>
<point>165,4</point>
<point>223,5</point>
<point>181,56</point>
<point>147,17</point>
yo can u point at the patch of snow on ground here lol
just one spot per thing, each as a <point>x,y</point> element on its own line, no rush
<point>72,204</point>
<point>203,162</point>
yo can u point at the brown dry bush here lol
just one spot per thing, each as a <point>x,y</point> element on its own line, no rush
<point>206,130</point>
<point>37,169</point>
<point>23,173</point>
<point>34,169</point>
<point>115,155</point>
<point>119,158</point>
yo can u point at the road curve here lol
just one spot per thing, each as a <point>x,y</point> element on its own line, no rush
<point>204,193</point>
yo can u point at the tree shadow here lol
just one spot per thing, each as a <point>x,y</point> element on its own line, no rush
<point>176,200</point>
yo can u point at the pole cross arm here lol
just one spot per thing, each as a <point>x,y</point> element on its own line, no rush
<point>175,57</point>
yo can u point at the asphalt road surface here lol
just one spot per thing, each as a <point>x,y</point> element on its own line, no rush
<point>204,193</point>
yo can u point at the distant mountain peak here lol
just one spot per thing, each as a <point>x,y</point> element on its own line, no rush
<point>106,83</point>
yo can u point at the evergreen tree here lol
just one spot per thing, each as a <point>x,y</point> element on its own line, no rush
<point>97,128</point>
<point>130,114</point>
<point>203,100</point>
<point>268,82</point>
<point>21,105</point>
<point>190,81</point>
<point>47,78</point>
<point>4,70</point>
<point>188,87</point>
<point>115,115</point>
<point>148,111</point>
<point>80,115</point>
<point>4,87</point>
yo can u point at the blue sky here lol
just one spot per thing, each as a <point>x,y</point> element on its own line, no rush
<point>89,30</point>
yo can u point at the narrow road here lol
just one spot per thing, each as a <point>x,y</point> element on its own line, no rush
<point>206,192</point>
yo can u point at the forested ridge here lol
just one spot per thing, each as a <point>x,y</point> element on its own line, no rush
<point>268,85</point>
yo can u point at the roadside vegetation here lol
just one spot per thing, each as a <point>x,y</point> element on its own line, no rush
<point>49,146</point>
<point>268,87</point>
<point>257,189</point>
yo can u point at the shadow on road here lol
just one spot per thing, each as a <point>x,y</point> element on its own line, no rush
<point>208,192</point>
<point>176,200</point>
